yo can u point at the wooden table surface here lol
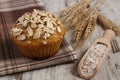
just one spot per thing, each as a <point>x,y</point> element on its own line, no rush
<point>110,70</point>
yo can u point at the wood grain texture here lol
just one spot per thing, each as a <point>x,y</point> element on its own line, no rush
<point>110,69</point>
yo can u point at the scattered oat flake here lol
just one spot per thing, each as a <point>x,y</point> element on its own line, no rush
<point>59,29</point>
<point>46,29</point>
<point>29,32</point>
<point>50,15</point>
<point>25,23</point>
<point>51,32</point>
<point>27,16</point>
<point>33,25</point>
<point>54,28</point>
<point>16,31</point>
<point>44,37</point>
<point>40,26</point>
<point>50,25</point>
<point>34,14</point>
<point>21,37</point>
<point>47,34</point>
<point>35,10</point>
<point>54,23</point>
<point>21,18</point>
<point>36,35</point>
<point>44,42</point>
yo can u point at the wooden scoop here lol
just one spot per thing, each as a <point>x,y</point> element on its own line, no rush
<point>85,63</point>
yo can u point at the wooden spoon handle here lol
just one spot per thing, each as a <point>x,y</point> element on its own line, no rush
<point>109,35</point>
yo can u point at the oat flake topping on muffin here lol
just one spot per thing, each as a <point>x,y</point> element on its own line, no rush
<point>36,24</point>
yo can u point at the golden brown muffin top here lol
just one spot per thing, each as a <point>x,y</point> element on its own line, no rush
<point>36,25</point>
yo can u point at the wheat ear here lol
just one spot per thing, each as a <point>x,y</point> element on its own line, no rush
<point>80,29</point>
<point>108,24</point>
<point>66,11</point>
<point>90,27</point>
<point>74,7</point>
<point>80,17</point>
<point>77,10</point>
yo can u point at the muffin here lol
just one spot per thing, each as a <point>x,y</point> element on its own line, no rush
<point>38,34</point>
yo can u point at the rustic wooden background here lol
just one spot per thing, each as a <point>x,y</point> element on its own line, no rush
<point>110,69</point>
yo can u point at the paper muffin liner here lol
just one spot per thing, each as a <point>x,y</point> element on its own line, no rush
<point>40,52</point>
